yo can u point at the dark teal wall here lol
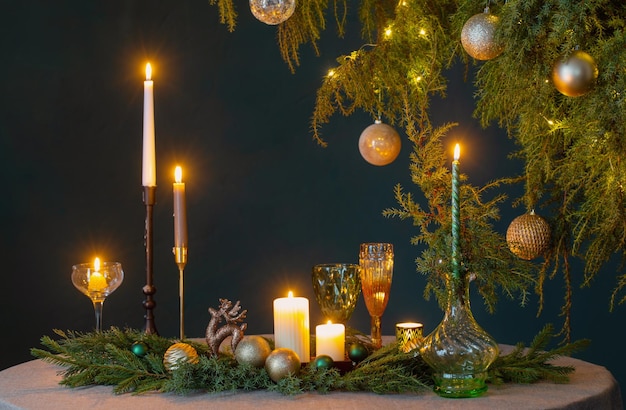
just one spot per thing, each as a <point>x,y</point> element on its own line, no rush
<point>265,203</point>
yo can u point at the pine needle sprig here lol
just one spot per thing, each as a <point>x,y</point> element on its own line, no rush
<point>529,365</point>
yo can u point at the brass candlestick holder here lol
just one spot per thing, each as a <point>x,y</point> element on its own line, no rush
<point>180,257</point>
<point>149,199</point>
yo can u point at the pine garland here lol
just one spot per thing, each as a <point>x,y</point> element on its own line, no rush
<point>106,359</point>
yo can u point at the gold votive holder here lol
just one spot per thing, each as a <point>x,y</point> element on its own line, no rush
<point>409,335</point>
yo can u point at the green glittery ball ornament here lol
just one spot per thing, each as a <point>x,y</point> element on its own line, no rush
<point>323,362</point>
<point>252,350</point>
<point>139,349</point>
<point>282,362</point>
<point>357,352</point>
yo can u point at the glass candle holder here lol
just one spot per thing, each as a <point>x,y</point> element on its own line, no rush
<point>409,335</point>
<point>97,282</point>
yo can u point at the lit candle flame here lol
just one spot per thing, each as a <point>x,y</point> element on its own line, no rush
<point>178,175</point>
<point>96,264</point>
<point>457,152</point>
<point>290,294</point>
<point>148,72</point>
<point>329,322</point>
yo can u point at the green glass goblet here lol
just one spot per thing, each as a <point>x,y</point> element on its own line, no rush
<point>337,287</point>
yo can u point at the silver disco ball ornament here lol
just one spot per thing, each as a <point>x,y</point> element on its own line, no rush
<point>272,12</point>
<point>575,75</point>
<point>478,36</point>
<point>379,144</point>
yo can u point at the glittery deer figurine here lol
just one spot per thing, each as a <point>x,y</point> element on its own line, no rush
<point>232,316</point>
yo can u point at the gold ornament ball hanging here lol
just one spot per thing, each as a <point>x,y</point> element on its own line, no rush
<point>272,12</point>
<point>575,75</point>
<point>179,353</point>
<point>528,236</point>
<point>379,144</point>
<point>478,36</point>
<point>282,362</point>
<point>253,350</point>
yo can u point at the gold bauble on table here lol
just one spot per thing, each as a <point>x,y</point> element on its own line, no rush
<point>179,353</point>
<point>575,75</point>
<point>478,36</point>
<point>282,362</point>
<point>252,350</point>
<point>528,236</point>
<point>379,144</point>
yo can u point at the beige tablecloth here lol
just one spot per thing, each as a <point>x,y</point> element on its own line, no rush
<point>34,385</point>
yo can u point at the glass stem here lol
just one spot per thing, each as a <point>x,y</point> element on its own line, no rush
<point>377,339</point>
<point>97,307</point>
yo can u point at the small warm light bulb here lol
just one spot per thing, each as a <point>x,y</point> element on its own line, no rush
<point>331,73</point>
<point>388,32</point>
<point>290,294</point>
<point>96,264</point>
<point>457,152</point>
<point>550,122</point>
<point>422,32</point>
<point>418,78</point>
<point>148,72</point>
<point>178,175</point>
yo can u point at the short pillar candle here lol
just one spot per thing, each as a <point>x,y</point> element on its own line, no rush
<point>330,340</point>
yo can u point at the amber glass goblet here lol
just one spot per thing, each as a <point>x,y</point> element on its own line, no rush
<point>376,260</point>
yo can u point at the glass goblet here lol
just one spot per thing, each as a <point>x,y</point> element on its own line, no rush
<point>97,282</point>
<point>376,260</point>
<point>337,287</point>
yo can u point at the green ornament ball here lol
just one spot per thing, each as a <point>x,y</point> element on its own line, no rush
<point>282,362</point>
<point>253,350</point>
<point>323,362</point>
<point>139,349</point>
<point>357,352</point>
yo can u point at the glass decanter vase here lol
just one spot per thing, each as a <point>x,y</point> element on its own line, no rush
<point>459,351</point>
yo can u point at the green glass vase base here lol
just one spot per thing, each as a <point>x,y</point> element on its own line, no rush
<point>460,385</point>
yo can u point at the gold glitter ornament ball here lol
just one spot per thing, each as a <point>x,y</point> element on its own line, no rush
<point>252,350</point>
<point>478,36</point>
<point>528,236</point>
<point>379,144</point>
<point>272,12</point>
<point>179,353</point>
<point>282,362</point>
<point>575,75</point>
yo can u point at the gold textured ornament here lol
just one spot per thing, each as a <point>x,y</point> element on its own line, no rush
<point>478,36</point>
<point>179,353</point>
<point>282,362</point>
<point>575,75</point>
<point>379,144</point>
<point>253,350</point>
<point>528,236</point>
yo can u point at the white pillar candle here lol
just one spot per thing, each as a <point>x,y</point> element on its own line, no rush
<point>330,339</point>
<point>148,176</point>
<point>291,325</point>
<point>180,212</point>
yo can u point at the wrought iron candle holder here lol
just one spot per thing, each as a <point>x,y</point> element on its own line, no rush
<point>149,199</point>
